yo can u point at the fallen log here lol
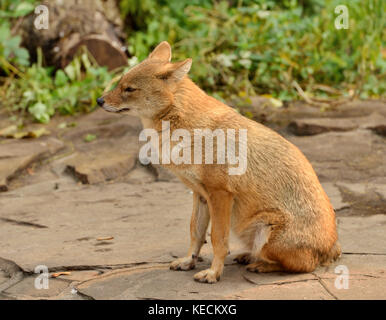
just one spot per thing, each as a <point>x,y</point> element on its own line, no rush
<point>95,24</point>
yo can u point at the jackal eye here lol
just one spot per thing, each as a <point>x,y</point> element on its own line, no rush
<point>130,89</point>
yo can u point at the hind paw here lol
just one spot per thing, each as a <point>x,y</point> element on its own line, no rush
<point>243,258</point>
<point>262,267</point>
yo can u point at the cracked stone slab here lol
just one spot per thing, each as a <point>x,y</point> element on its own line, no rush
<point>365,288</point>
<point>301,110</point>
<point>75,218</point>
<point>162,283</point>
<point>306,290</point>
<point>366,277</point>
<point>70,293</point>
<point>100,161</point>
<point>26,288</point>
<point>80,275</point>
<point>312,126</point>
<point>11,272</point>
<point>354,156</point>
<point>105,167</point>
<point>276,277</point>
<point>17,156</point>
<point>364,198</point>
<point>363,234</point>
<point>363,188</point>
<point>359,265</point>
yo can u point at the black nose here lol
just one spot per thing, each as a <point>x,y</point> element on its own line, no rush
<point>100,101</point>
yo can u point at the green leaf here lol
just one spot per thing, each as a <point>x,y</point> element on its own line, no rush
<point>60,78</point>
<point>40,112</point>
<point>23,9</point>
<point>70,72</point>
<point>90,137</point>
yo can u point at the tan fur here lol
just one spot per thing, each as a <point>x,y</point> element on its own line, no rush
<point>278,207</point>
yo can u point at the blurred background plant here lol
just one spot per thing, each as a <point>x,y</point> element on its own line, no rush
<point>43,93</point>
<point>287,49</point>
<point>261,47</point>
<point>38,90</point>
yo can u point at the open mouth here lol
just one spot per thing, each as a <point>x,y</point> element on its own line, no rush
<point>122,110</point>
<point>111,109</point>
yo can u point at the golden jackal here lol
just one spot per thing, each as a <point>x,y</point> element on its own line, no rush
<point>277,207</point>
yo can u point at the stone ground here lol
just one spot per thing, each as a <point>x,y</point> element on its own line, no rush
<point>107,227</point>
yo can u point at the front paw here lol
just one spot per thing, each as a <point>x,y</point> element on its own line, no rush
<point>184,264</point>
<point>207,276</point>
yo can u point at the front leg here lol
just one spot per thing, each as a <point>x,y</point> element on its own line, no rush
<point>198,226</point>
<point>220,207</point>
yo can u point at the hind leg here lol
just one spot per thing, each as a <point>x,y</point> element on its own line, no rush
<point>264,266</point>
<point>260,235</point>
<point>270,249</point>
<point>280,258</point>
<point>256,236</point>
<point>286,260</point>
<point>258,261</point>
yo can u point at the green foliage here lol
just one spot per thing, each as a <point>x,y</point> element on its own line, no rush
<point>90,137</point>
<point>263,46</point>
<point>42,93</point>
<point>38,90</point>
<point>10,50</point>
<point>16,8</point>
<point>239,48</point>
<point>12,54</point>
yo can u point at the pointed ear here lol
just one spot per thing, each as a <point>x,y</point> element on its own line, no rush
<point>162,52</point>
<point>176,71</point>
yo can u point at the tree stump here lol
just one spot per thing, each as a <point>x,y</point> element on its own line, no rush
<point>95,24</point>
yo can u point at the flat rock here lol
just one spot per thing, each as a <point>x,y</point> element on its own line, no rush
<point>75,217</point>
<point>335,196</point>
<point>308,290</point>
<point>162,283</point>
<point>101,161</point>
<point>363,235</point>
<point>103,125</point>
<point>276,277</point>
<point>313,126</point>
<point>47,218</point>
<point>364,198</point>
<point>365,288</point>
<point>26,288</point>
<point>266,113</point>
<point>366,277</point>
<point>354,156</point>
<point>106,166</point>
<point>358,265</point>
<point>16,156</point>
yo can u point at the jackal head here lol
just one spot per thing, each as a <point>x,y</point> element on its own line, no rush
<point>148,87</point>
